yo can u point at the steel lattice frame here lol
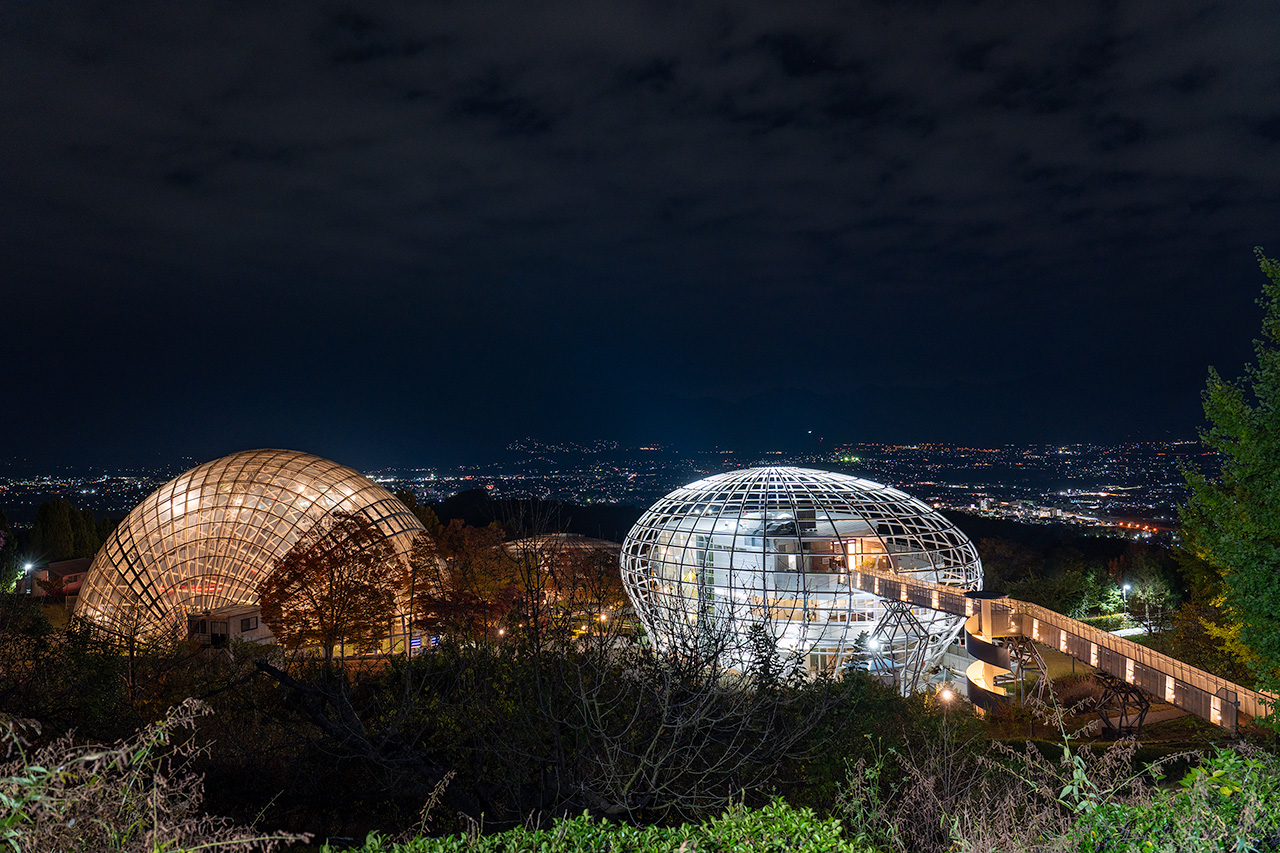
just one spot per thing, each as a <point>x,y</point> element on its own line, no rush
<point>768,549</point>
<point>208,537</point>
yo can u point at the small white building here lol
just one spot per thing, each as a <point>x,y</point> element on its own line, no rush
<point>218,627</point>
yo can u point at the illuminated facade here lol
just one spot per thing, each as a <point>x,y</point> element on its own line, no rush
<point>207,538</point>
<point>764,554</point>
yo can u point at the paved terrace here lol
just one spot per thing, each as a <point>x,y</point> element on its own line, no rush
<point>1207,696</point>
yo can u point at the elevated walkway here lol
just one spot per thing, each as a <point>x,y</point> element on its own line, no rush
<point>989,619</point>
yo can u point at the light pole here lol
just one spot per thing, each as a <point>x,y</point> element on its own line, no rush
<point>1124,594</point>
<point>945,696</point>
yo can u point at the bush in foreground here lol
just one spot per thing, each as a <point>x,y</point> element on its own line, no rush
<point>1229,803</point>
<point>775,828</point>
<point>137,796</point>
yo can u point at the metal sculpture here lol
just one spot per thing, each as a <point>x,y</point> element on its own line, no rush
<point>768,552</point>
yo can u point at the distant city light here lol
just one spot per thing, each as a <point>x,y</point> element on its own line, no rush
<point>1129,490</point>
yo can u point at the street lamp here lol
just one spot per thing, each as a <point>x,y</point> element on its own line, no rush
<point>1124,593</point>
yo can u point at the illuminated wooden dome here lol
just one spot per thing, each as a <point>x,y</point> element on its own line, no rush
<point>208,537</point>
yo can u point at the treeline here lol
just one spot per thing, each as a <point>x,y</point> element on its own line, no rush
<point>61,531</point>
<point>476,508</point>
<point>8,552</point>
<point>507,727</point>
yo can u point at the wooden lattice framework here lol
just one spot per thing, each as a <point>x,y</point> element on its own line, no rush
<point>207,538</point>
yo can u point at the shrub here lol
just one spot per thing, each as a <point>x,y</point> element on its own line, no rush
<point>1229,803</point>
<point>1076,693</point>
<point>1107,622</point>
<point>775,828</point>
<point>138,795</point>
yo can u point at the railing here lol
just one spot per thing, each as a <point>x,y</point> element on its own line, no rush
<point>1201,693</point>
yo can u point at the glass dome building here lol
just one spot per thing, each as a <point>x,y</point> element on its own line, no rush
<point>766,552</point>
<point>205,539</point>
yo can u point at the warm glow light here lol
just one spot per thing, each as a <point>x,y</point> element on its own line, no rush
<point>945,694</point>
<point>205,539</point>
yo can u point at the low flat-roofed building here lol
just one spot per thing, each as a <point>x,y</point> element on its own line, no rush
<point>218,627</point>
<point>64,577</point>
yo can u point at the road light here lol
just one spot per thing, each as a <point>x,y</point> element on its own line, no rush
<point>1124,593</point>
<point>945,696</point>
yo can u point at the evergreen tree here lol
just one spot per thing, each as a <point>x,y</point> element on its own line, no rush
<point>85,532</point>
<point>53,534</point>
<point>104,528</point>
<point>62,532</point>
<point>8,554</point>
<point>1232,520</point>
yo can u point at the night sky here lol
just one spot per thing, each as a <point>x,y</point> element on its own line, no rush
<point>410,232</point>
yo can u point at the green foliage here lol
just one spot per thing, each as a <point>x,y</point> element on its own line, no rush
<point>1230,803</point>
<point>1059,576</point>
<point>1233,521</point>
<point>775,828</point>
<point>1069,591</point>
<point>1202,637</point>
<point>865,801</point>
<point>1107,622</point>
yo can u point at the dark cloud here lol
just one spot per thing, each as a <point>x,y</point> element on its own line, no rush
<point>447,223</point>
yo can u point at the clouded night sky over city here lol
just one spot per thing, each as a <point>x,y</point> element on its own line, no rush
<point>410,232</point>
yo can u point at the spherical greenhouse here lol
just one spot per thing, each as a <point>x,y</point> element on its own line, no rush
<point>207,538</point>
<point>766,552</point>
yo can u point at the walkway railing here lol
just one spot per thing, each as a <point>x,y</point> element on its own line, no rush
<point>1198,692</point>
